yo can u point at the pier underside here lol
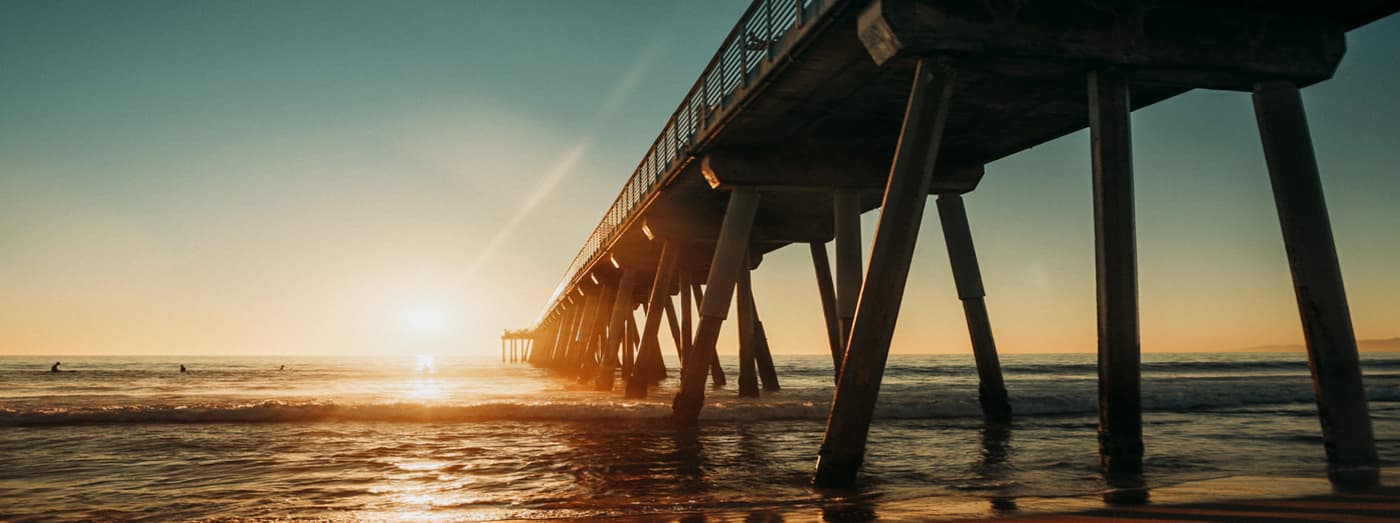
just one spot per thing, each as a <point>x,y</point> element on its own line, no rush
<point>866,105</point>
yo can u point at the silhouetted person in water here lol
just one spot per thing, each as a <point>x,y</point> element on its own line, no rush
<point>182,367</point>
<point>54,368</point>
<point>282,367</point>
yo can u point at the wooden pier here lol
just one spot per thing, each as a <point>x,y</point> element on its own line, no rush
<point>516,345</point>
<point>813,112</point>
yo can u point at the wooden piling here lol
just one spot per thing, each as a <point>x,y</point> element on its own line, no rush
<point>621,308</point>
<point>730,258</point>
<point>828,296</point>
<point>1347,435</point>
<point>748,342</point>
<point>650,350</point>
<point>867,348</point>
<point>848,252</point>
<point>1120,389</point>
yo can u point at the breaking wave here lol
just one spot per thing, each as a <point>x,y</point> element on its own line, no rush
<point>907,404</point>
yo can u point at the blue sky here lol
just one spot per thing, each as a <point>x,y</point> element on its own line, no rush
<point>310,177</point>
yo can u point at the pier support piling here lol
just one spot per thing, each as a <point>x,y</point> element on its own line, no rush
<point>621,308</point>
<point>1347,435</point>
<point>748,342</point>
<point>828,295</point>
<point>686,306</point>
<point>573,359</point>
<point>716,370</point>
<point>650,352</point>
<point>730,258</point>
<point>1115,246</point>
<point>848,262</point>
<point>867,348</point>
<point>967,277</point>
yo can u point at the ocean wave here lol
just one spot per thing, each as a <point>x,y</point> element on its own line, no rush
<point>799,405</point>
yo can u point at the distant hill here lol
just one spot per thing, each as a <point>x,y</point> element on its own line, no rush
<point>1382,345</point>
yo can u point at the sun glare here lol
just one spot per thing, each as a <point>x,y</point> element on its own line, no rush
<point>425,364</point>
<point>424,320</point>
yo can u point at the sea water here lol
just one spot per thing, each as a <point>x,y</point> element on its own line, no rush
<point>459,439</point>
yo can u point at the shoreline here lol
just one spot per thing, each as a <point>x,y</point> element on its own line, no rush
<point>1232,498</point>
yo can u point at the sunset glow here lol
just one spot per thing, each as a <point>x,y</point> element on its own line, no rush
<point>677,260</point>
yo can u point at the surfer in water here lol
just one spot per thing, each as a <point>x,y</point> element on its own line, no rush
<point>182,367</point>
<point>282,368</point>
<point>54,368</point>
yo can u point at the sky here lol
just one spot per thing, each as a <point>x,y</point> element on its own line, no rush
<point>370,178</point>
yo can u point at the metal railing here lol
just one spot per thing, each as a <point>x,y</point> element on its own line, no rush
<point>749,45</point>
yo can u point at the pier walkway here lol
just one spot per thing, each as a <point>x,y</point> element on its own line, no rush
<point>815,111</point>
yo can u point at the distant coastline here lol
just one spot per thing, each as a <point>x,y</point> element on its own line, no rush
<point>1380,345</point>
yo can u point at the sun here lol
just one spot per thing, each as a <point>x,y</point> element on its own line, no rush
<point>425,320</point>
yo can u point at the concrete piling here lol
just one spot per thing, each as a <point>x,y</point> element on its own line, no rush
<point>1115,246</point>
<point>731,252</point>
<point>1347,436</point>
<point>867,349</point>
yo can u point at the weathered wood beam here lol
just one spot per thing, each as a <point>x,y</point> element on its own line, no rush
<point>867,350</point>
<point>1347,435</point>
<point>1227,45</point>
<point>1115,245</point>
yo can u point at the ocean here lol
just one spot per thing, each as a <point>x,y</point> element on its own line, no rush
<point>443,438</point>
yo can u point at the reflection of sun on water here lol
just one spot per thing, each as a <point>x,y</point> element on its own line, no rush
<point>426,387</point>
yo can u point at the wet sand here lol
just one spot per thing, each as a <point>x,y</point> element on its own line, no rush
<point>1241,498</point>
